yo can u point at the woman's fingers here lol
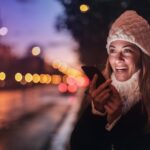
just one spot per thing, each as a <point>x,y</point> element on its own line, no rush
<point>102,96</point>
<point>112,105</point>
<point>93,84</point>
<point>114,91</point>
<point>101,88</point>
<point>113,108</point>
<point>113,112</point>
<point>101,100</point>
<point>115,97</point>
<point>108,109</point>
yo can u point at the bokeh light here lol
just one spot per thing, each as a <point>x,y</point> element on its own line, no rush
<point>70,81</point>
<point>72,88</point>
<point>36,51</point>
<point>36,78</point>
<point>43,78</point>
<point>18,77</point>
<point>49,79</point>
<point>3,31</point>
<point>56,64</point>
<point>56,79</point>
<point>62,87</point>
<point>84,8</point>
<point>28,77</point>
<point>2,76</point>
<point>82,81</point>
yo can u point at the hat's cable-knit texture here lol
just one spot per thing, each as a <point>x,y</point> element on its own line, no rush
<point>132,28</point>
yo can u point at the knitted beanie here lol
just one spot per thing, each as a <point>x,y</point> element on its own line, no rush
<point>132,28</point>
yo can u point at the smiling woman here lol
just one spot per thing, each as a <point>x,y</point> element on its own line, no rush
<point>124,59</point>
<point>118,116</point>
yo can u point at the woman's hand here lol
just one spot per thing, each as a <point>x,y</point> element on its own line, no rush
<point>113,107</point>
<point>99,95</point>
<point>106,99</point>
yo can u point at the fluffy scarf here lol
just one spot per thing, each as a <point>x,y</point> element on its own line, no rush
<point>128,90</point>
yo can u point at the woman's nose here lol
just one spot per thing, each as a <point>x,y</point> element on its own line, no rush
<point>119,57</point>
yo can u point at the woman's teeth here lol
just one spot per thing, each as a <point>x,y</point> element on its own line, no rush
<point>121,69</point>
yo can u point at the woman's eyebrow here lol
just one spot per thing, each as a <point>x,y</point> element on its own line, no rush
<point>129,45</point>
<point>111,46</point>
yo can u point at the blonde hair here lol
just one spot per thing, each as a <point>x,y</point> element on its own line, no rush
<point>144,81</point>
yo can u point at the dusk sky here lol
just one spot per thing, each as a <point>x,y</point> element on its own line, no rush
<point>32,21</point>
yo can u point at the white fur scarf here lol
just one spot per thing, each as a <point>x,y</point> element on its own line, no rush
<point>128,90</point>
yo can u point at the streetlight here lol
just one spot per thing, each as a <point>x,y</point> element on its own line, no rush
<point>84,8</point>
<point>3,31</point>
<point>36,51</point>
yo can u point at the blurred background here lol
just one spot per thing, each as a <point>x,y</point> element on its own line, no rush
<point>43,44</point>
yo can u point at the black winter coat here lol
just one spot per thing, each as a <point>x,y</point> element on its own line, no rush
<point>128,134</point>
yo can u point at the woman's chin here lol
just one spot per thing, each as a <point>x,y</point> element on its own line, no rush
<point>122,77</point>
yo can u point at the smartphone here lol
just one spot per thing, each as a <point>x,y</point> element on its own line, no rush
<point>90,71</point>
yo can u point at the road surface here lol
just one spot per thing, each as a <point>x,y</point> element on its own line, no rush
<point>37,118</point>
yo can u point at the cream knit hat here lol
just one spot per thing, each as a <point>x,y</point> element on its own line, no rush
<point>132,28</point>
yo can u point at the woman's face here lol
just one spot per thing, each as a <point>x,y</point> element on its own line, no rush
<point>124,59</point>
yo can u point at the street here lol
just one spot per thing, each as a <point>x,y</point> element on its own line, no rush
<point>37,119</point>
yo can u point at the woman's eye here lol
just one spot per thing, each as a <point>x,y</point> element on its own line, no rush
<point>111,51</point>
<point>127,51</point>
